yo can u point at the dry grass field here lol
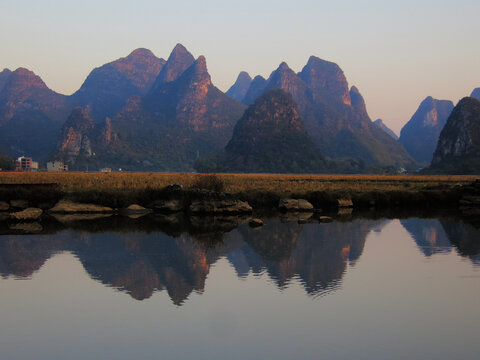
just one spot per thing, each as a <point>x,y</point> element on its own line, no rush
<point>236,183</point>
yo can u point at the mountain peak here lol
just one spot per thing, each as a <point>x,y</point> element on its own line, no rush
<point>271,137</point>
<point>24,78</point>
<point>141,52</point>
<point>179,49</point>
<point>201,64</point>
<point>256,88</point>
<point>284,67</point>
<point>240,88</point>
<point>326,79</point>
<point>178,61</point>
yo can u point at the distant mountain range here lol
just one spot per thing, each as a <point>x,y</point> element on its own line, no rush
<point>141,112</point>
<point>335,116</point>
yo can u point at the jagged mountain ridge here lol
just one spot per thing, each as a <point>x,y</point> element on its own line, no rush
<point>420,134</point>
<point>183,116</point>
<point>335,117</point>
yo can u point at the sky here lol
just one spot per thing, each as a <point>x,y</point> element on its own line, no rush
<point>396,53</point>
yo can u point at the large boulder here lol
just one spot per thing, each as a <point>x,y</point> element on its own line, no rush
<point>294,205</point>
<point>27,214</point>
<point>220,206</point>
<point>70,207</point>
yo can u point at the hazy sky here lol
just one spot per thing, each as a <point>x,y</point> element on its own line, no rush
<point>396,53</point>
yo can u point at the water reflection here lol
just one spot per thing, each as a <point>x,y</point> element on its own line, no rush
<point>429,235</point>
<point>174,253</point>
<point>434,236</point>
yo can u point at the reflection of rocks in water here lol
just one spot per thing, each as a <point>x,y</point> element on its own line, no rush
<point>295,216</point>
<point>428,234</point>
<point>465,237</point>
<point>138,263</point>
<point>317,254</point>
<point>21,256</point>
<point>27,228</point>
<point>141,264</point>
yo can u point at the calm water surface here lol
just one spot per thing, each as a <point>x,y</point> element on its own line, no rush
<point>360,289</point>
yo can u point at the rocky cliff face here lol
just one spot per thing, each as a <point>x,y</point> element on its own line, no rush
<point>326,79</point>
<point>108,87</point>
<point>420,135</point>
<point>239,89</point>
<point>458,149</point>
<point>76,137</point>
<point>335,117</point>
<point>270,137</point>
<point>381,125</point>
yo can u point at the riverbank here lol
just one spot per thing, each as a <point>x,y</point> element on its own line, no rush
<point>262,192</point>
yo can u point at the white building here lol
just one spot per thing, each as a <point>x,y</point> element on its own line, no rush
<point>56,166</point>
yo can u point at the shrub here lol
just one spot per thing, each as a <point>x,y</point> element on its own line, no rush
<point>209,182</point>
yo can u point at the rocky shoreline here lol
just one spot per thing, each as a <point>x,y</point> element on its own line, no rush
<point>174,199</point>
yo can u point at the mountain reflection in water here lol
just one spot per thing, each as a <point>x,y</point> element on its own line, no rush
<point>175,254</point>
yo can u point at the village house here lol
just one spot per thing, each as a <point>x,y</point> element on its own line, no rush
<point>56,166</point>
<point>25,164</point>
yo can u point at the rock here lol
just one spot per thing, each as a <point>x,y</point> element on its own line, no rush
<point>170,205</point>
<point>325,219</point>
<point>135,209</point>
<point>344,203</point>
<point>255,223</point>
<point>4,216</point>
<point>21,204</point>
<point>70,207</point>
<point>4,206</point>
<point>27,214</point>
<point>220,206</point>
<point>294,205</point>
